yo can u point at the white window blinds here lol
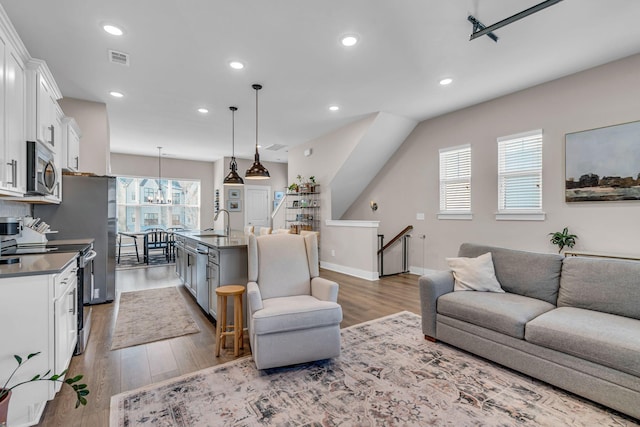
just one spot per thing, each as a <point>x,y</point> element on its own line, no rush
<point>455,179</point>
<point>520,172</point>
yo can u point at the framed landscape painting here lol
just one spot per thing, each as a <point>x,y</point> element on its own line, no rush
<point>603,164</point>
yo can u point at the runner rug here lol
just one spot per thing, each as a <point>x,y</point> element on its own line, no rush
<point>151,315</point>
<point>387,375</point>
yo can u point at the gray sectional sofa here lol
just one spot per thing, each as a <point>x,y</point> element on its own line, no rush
<point>572,322</point>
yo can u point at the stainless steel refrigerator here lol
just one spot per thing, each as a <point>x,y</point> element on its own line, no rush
<point>88,210</point>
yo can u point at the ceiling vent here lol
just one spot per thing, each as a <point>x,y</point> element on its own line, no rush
<point>275,147</point>
<point>119,57</point>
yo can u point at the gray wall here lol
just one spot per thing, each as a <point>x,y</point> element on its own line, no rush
<point>408,184</point>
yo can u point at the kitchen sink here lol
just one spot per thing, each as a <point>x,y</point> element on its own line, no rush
<point>210,235</point>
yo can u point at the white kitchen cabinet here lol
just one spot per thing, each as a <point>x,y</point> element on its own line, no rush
<point>70,145</point>
<point>38,313</point>
<point>12,120</point>
<point>42,101</point>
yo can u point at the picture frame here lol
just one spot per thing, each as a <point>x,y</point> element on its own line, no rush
<point>234,193</point>
<point>234,205</point>
<point>603,164</point>
<point>278,195</point>
<point>295,204</point>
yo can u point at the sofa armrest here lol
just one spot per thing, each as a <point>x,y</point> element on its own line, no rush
<point>324,290</point>
<point>432,285</point>
<point>254,298</point>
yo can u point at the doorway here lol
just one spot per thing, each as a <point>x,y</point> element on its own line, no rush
<point>258,206</point>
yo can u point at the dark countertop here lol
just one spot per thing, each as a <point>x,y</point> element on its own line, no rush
<point>48,263</point>
<point>215,240</point>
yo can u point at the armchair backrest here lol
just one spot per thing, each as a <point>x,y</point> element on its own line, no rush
<point>283,264</point>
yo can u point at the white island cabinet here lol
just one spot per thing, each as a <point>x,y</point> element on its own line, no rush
<point>38,313</point>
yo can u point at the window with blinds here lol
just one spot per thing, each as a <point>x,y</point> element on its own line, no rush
<point>520,176</point>
<point>455,182</point>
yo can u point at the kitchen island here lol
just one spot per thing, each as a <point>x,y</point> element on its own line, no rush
<point>206,260</point>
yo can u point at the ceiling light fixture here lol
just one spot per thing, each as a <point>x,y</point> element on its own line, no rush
<point>334,108</point>
<point>446,81</point>
<point>203,110</point>
<point>159,199</point>
<point>233,178</point>
<point>257,171</point>
<point>113,30</point>
<point>236,65</point>
<point>349,40</point>
<point>116,94</point>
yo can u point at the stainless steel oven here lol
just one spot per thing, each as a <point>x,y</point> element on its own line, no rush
<point>42,176</point>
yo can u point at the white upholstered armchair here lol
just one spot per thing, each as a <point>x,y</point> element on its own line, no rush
<point>294,316</point>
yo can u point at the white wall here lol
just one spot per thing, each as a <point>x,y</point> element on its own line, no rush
<point>408,184</point>
<point>95,143</point>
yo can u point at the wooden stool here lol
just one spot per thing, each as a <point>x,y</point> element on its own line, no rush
<point>223,292</point>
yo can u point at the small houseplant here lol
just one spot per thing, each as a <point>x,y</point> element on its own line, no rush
<point>293,188</point>
<point>563,238</point>
<point>5,391</point>
<point>312,183</point>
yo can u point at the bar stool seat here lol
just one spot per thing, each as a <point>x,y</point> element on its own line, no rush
<point>222,329</point>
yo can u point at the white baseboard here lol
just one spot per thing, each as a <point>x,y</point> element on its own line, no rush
<point>362,274</point>
<point>420,271</point>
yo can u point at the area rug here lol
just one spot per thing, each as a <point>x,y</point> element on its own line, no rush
<point>151,315</point>
<point>387,375</point>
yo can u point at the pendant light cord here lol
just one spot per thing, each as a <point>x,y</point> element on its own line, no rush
<point>257,88</point>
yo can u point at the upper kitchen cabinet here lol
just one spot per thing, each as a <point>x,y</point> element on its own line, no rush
<point>70,144</point>
<point>42,104</point>
<point>12,112</point>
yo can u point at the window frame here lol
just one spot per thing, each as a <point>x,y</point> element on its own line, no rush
<point>455,214</point>
<point>519,214</point>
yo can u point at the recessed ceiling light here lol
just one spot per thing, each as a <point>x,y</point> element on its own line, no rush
<point>116,94</point>
<point>203,110</point>
<point>446,81</point>
<point>334,108</point>
<point>349,40</point>
<point>113,30</point>
<point>236,65</point>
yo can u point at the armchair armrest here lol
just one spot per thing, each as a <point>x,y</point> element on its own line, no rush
<point>433,285</point>
<point>254,299</point>
<point>324,290</point>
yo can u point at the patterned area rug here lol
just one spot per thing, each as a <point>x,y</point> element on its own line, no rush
<point>151,315</point>
<point>387,375</point>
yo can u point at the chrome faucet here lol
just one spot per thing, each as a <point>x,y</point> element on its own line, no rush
<point>227,229</point>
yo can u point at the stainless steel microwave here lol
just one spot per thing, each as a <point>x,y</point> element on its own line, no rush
<point>42,176</point>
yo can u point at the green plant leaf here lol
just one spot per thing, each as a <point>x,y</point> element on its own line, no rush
<point>18,359</point>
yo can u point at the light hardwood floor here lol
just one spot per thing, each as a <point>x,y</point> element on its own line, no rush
<point>109,372</point>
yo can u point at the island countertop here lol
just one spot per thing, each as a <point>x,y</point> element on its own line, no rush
<point>30,265</point>
<point>216,239</point>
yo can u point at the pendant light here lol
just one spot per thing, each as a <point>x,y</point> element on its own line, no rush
<point>257,171</point>
<point>233,178</point>
<point>159,199</point>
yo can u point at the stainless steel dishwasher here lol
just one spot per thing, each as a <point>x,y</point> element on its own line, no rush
<point>202,284</point>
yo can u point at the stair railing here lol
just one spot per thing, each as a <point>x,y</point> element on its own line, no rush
<point>405,250</point>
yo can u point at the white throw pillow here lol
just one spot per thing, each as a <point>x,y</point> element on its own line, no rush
<point>474,274</point>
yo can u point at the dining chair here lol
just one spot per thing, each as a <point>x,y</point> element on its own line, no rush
<point>133,243</point>
<point>248,230</point>
<point>281,231</point>
<point>265,230</point>
<point>156,239</point>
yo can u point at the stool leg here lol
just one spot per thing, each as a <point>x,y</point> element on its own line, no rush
<point>237,324</point>
<point>219,327</point>
<point>241,320</point>
<point>223,316</point>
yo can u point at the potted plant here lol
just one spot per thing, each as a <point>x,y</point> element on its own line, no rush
<point>563,238</point>
<point>293,188</point>
<point>312,184</point>
<point>5,391</point>
<point>303,186</point>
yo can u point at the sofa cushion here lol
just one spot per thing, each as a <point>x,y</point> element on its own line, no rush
<point>474,274</point>
<point>530,274</point>
<point>293,313</point>
<point>607,285</point>
<point>603,338</point>
<point>500,312</point>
